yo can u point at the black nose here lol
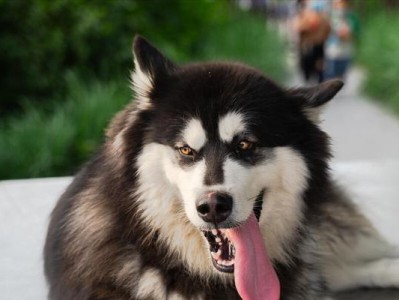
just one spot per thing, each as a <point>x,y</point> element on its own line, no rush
<point>215,207</point>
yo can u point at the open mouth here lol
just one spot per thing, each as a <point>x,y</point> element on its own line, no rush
<point>221,248</point>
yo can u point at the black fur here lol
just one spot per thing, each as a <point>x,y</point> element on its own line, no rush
<point>204,91</point>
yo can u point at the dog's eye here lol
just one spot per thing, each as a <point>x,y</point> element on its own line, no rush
<point>186,151</point>
<point>245,145</point>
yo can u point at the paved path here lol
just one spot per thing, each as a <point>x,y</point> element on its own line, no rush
<point>360,128</point>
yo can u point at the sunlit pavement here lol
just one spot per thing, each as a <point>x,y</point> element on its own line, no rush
<point>366,143</point>
<point>361,129</point>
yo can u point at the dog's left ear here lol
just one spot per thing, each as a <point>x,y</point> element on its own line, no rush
<point>150,67</point>
<point>313,99</point>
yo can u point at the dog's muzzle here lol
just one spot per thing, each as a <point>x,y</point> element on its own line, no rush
<point>215,208</point>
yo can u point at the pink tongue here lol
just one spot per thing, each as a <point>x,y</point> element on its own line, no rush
<point>254,276</point>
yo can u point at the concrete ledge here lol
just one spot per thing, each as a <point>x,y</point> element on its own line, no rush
<point>25,206</point>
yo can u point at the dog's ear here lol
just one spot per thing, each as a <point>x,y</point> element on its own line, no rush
<point>151,67</point>
<point>313,99</point>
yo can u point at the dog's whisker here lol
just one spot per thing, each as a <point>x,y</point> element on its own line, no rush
<point>251,198</point>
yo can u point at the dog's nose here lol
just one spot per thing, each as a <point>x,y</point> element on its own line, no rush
<point>215,207</point>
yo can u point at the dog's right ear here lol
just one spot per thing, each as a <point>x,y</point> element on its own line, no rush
<point>151,67</point>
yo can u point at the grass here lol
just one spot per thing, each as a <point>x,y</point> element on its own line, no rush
<point>378,54</point>
<point>56,140</point>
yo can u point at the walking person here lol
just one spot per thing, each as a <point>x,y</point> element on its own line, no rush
<point>313,29</point>
<point>340,44</point>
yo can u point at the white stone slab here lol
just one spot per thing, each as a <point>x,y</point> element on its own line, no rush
<point>25,206</point>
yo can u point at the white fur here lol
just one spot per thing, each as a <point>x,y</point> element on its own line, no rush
<point>168,190</point>
<point>162,208</point>
<point>88,222</point>
<point>368,260</point>
<point>176,296</point>
<point>190,185</point>
<point>284,177</point>
<point>142,85</point>
<point>379,273</point>
<point>128,269</point>
<point>230,125</point>
<point>118,143</point>
<point>314,113</point>
<point>151,285</point>
<point>283,204</point>
<point>194,134</point>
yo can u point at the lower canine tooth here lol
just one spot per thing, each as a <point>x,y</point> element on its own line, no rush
<point>225,262</point>
<point>215,255</point>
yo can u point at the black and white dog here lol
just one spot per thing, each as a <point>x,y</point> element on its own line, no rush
<point>212,184</point>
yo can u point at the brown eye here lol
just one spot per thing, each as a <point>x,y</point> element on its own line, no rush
<point>245,145</point>
<point>186,150</point>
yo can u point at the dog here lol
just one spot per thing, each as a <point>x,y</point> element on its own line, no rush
<point>213,183</point>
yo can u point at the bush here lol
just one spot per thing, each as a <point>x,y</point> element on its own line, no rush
<point>41,41</point>
<point>44,144</point>
<point>377,52</point>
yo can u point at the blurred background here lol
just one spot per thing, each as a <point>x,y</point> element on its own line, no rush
<point>65,67</point>
<point>65,64</point>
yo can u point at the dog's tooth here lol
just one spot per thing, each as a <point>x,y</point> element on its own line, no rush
<point>218,240</point>
<point>214,231</point>
<point>230,263</point>
<point>226,262</point>
<point>215,256</point>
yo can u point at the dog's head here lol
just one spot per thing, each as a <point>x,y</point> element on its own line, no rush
<point>226,142</point>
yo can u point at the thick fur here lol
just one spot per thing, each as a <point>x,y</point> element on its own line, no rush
<point>126,228</point>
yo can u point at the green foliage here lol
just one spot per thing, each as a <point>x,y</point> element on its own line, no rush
<point>368,6</point>
<point>246,38</point>
<point>43,144</point>
<point>377,52</point>
<point>43,40</point>
<point>55,139</point>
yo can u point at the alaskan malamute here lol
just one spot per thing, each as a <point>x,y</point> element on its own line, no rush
<point>212,184</point>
